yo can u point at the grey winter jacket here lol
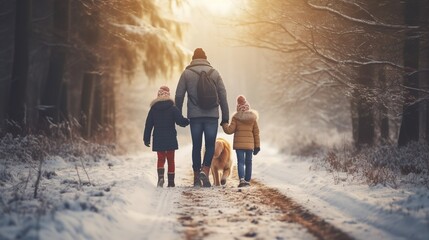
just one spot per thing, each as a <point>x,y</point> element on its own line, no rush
<point>188,84</point>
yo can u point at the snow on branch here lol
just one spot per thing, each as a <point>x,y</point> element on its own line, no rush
<point>415,89</point>
<point>353,62</point>
<point>418,71</point>
<point>270,45</point>
<point>312,47</point>
<point>374,22</point>
<point>361,9</point>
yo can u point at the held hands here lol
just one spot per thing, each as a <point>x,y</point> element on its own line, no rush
<point>185,122</point>
<point>223,122</point>
<point>256,150</point>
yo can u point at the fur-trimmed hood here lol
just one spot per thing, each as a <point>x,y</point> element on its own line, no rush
<point>168,101</point>
<point>250,115</point>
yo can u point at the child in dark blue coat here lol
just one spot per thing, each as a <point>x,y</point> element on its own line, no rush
<point>162,117</point>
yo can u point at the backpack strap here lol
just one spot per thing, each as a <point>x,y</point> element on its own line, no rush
<point>193,70</point>
<point>208,73</point>
<point>193,99</point>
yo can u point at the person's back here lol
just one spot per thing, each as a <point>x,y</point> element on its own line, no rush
<point>245,128</point>
<point>164,122</point>
<point>188,83</point>
<point>162,117</point>
<point>202,121</point>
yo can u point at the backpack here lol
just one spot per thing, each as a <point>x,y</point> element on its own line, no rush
<point>206,90</point>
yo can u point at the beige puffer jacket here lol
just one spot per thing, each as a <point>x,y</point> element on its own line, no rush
<point>244,125</point>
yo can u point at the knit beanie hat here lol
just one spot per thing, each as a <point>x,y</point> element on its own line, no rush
<point>199,53</point>
<point>242,104</point>
<point>164,91</point>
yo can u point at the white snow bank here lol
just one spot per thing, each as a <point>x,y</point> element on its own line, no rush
<point>362,211</point>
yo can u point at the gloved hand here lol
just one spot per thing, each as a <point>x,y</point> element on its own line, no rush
<point>256,150</point>
<point>223,121</point>
<point>147,144</point>
<point>187,122</point>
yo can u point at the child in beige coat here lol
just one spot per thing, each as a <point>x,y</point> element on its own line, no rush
<point>245,128</point>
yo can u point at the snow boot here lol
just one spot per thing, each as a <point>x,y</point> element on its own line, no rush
<point>160,177</point>
<point>197,181</point>
<point>242,183</point>
<point>204,176</point>
<point>247,184</point>
<point>171,180</point>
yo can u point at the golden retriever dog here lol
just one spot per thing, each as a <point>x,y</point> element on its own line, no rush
<point>221,161</point>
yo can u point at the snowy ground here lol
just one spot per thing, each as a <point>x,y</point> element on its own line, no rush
<point>364,212</point>
<point>122,202</point>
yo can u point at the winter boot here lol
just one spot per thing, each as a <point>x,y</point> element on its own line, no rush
<point>204,176</point>
<point>242,183</point>
<point>160,177</point>
<point>247,184</point>
<point>197,181</point>
<point>171,180</point>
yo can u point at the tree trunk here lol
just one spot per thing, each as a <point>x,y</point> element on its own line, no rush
<point>40,52</point>
<point>55,91</point>
<point>94,106</point>
<point>409,130</point>
<point>18,88</point>
<point>384,119</point>
<point>7,23</point>
<point>109,114</point>
<point>427,87</point>
<point>355,115</point>
<point>92,92</point>
<point>87,103</point>
<point>424,76</point>
<point>363,117</point>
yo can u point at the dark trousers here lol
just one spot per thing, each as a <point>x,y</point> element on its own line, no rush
<point>199,126</point>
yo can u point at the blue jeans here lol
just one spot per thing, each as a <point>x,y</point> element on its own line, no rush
<point>208,126</point>
<point>244,164</point>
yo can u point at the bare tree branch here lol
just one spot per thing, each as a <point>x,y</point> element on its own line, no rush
<point>357,20</point>
<point>353,3</point>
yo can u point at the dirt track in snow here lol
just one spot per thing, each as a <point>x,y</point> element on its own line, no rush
<point>256,212</point>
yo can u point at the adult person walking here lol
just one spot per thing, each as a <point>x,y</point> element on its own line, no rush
<point>206,92</point>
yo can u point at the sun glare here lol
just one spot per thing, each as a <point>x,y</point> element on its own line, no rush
<point>218,7</point>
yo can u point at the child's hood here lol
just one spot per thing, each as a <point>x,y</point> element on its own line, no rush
<point>246,116</point>
<point>162,103</point>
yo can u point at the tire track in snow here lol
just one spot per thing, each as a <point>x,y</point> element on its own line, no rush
<point>258,212</point>
<point>293,212</point>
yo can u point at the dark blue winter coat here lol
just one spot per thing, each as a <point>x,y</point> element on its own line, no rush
<point>162,117</point>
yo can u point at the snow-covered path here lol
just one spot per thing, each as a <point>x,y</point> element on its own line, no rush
<point>360,211</point>
<point>123,202</point>
<point>146,212</point>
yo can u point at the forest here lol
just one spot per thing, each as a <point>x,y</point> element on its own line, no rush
<point>373,54</point>
<point>61,61</point>
<point>341,88</point>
